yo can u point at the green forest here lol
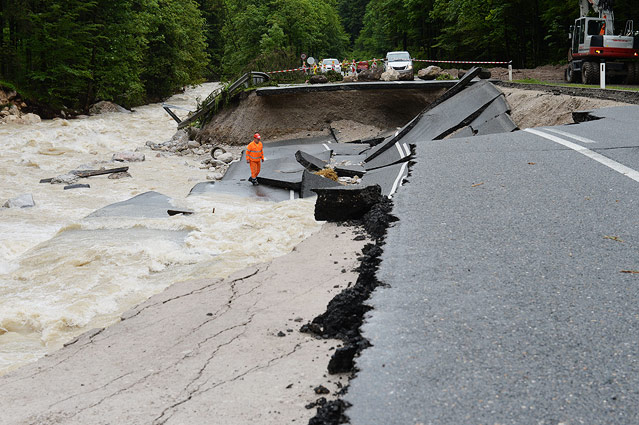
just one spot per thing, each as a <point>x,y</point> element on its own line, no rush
<point>68,54</point>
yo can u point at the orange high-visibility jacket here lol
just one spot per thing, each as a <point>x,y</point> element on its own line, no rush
<point>254,152</point>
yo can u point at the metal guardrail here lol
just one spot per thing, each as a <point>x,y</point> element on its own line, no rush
<point>246,80</point>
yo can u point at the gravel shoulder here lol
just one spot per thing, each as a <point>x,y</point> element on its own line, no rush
<point>205,351</point>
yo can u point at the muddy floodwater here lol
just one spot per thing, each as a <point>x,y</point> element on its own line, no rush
<point>63,273</point>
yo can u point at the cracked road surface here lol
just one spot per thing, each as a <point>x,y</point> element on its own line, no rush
<point>204,351</point>
<point>514,283</point>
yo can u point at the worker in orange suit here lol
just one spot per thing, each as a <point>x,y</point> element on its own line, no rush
<point>255,157</point>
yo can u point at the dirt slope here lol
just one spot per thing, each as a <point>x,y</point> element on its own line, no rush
<point>531,108</point>
<point>293,115</point>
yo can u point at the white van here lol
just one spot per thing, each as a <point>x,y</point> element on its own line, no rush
<point>400,62</point>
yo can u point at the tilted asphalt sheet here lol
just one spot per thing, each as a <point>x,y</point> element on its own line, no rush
<point>509,297</point>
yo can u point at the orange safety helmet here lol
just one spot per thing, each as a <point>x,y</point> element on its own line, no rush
<point>257,136</point>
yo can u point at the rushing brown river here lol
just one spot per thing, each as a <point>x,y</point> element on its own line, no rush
<point>63,273</point>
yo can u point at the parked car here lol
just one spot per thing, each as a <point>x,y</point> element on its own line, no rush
<point>330,65</point>
<point>400,62</point>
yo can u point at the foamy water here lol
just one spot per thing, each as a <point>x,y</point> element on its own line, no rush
<point>62,273</point>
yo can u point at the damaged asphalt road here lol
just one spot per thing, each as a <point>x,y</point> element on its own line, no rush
<point>510,296</point>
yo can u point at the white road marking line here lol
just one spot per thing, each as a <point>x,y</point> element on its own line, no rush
<point>326,146</point>
<point>620,168</point>
<point>292,194</point>
<point>399,148</point>
<point>398,179</point>
<point>572,136</point>
<point>407,149</point>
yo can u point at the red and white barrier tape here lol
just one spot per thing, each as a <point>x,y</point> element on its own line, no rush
<point>286,70</point>
<point>470,62</point>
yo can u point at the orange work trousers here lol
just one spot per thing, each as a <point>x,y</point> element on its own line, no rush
<point>255,168</point>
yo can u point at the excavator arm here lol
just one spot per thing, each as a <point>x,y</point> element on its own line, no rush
<point>603,8</point>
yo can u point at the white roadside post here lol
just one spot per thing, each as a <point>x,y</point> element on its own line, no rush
<point>602,75</point>
<point>510,72</point>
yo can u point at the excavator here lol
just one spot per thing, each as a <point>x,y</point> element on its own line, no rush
<point>593,41</point>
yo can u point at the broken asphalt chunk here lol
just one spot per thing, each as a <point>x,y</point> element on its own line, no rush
<point>310,162</point>
<point>345,203</point>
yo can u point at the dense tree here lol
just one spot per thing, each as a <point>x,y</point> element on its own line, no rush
<point>176,47</point>
<point>267,34</point>
<point>213,12</point>
<point>352,14</point>
<point>70,53</point>
<point>530,33</point>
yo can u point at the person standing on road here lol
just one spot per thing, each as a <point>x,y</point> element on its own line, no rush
<point>255,157</point>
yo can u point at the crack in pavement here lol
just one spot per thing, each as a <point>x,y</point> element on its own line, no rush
<point>195,291</point>
<point>225,308</point>
<point>201,372</point>
<point>197,392</point>
<point>89,392</point>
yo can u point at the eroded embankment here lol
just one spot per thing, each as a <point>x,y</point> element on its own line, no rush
<point>290,114</point>
<point>539,108</point>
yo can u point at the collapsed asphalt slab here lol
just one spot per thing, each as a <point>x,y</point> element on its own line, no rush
<point>146,205</point>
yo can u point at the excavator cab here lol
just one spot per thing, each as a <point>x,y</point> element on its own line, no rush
<point>593,42</point>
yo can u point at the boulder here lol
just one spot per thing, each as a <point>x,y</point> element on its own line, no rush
<point>68,178</point>
<point>390,75</point>
<point>128,156</point>
<point>10,119</point>
<point>30,119</point>
<point>318,79</point>
<point>193,144</point>
<point>216,162</point>
<point>104,107</point>
<point>22,201</point>
<point>225,157</point>
<point>214,176</point>
<point>118,176</point>
<point>350,78</point>
<point>430,73</point>
<point>373,74</point>
<point>408,76</point>
<point>484,74</point>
